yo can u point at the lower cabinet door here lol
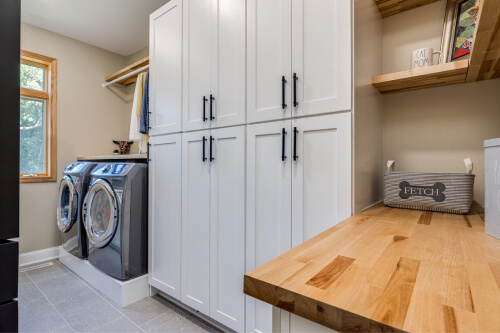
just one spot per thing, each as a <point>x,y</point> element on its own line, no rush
<point>195,266</point>
<point>227,226</point>
<point>268,231</point>
<point>165,214</point>
<point>321,174</point>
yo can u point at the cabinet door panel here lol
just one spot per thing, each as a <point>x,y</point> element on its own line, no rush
<point>268,59</point>
<point>321,55</point>
<point>165,214</point>
<point>228,62</point>
<point>195,221</point>
<point>268,207</point>
<point>196,72</point>
<point>166,68</point>
<point>227,227</point>
<point>321,175</point>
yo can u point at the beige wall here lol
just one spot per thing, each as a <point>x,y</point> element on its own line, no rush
<point>435,129</point>
<point>89,117</point>
<point>368,108</point>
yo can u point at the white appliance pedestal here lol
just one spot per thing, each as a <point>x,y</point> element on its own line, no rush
<point>122,293</point>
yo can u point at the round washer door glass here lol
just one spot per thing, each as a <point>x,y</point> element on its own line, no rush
<point>67,205</point>
<point>102,213</point>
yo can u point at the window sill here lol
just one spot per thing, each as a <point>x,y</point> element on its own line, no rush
<point>37,179</point>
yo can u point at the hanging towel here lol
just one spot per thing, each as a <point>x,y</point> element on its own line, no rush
<point>134,134</point>
<point>144,121</point>
<point>141,78</point>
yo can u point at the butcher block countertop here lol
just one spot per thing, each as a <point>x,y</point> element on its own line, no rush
<point>388,269</point>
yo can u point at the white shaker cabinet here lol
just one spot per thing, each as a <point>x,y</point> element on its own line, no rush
<point>269,59</point>
<point>228,62</point>
<point>165,214</point>
<point>214,64</point>
<point>298,185</point>
<point>195,266</point>
<point>165,59</point>
<point>321,174</point>
<point>268,231</point>
<point>299,58</point>
<point>227,226</point>
<point>321,56</point>
<point>196,65</point>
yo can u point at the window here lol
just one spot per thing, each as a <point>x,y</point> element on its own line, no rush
<point>38,118</point>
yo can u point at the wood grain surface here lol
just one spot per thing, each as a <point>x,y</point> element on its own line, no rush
<point>393,7</point>
<point>389,269</point>
<point>485,55</point>
<point>420,78</point>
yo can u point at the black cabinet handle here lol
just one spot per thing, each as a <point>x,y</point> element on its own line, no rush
<point>295,78</point>
<point>295,143</point>
<point>211,100</point>
<point>283,82</point>
<point>204,104</point>
<point>204,158</point>
<point>211,140</point>
<point>283,134</point>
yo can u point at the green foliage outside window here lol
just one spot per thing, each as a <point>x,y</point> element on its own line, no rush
<point>32,122</point>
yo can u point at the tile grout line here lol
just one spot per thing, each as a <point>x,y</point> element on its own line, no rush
<point>99,295</point>
<point>52,305</point>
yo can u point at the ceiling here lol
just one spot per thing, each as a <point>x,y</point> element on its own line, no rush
<point>119,26</point>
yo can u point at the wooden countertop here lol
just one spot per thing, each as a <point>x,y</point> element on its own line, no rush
<point>113,157</point>
<point>389,269</point>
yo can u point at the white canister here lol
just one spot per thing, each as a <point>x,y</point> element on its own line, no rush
<point>492,187</point>
<point>423,57</point>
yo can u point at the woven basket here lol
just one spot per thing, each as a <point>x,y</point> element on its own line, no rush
<point>438,192</point>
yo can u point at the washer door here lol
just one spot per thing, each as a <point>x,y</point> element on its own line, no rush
<point>67,206</point>
<point>101,215</point>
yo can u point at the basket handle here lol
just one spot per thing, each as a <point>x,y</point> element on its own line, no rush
<point>390,166</point>
<point>468,165</point>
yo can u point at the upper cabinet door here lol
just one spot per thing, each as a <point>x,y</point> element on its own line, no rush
<point>321,56</point>
<point>165,214</point>
<point>165,50</point>
<point>196,65</point>
<point>227,226</point>
<point>269,208</point>
<point>268,59</point>
<point>228,86</point>
<point>321,174</point>
<point>195,286</point>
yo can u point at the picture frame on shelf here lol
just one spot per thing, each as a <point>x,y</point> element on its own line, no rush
<point>458,31</point>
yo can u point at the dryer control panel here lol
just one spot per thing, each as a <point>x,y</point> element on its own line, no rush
<point>111,169</point>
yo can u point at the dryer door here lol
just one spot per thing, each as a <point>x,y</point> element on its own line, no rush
<point>101,216</point>
<point>67,205</point>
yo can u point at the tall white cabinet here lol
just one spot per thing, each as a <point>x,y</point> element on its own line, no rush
<point>238,174</point>
<point>299,58</point>
<point>165,43</point>
<point>213,64</point>
<point>165,214</point>
<point>298,185</point>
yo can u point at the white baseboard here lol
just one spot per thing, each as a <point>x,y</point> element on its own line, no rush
<point>34,257</point>
<point>122,293</point>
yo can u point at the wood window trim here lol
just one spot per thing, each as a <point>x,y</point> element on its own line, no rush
<point>50,95</point>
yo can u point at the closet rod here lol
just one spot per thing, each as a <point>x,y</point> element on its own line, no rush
<point>126,76</point>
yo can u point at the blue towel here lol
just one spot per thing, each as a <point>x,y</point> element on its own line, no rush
<point>144,121</point>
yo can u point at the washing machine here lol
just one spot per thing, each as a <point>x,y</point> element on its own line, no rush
<point>116,219</point>
<point>72,190</point>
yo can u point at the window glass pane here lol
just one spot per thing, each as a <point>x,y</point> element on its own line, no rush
<point>32,136</point>
<point>32,77</point>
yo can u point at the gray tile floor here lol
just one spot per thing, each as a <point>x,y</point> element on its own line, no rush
<point>53,299</point>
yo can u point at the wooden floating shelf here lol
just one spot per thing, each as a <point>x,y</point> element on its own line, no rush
<point>485,55</point>
<point>392,7</point>
<point>136,65</point>
<point>426,77</point>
